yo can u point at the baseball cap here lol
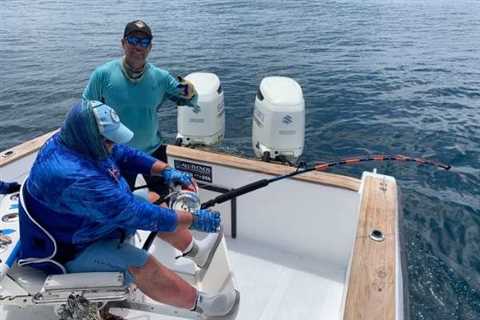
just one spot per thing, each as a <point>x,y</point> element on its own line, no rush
<point>137,25</point>
<point>109,124</point>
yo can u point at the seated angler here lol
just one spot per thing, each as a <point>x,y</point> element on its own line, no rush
<point>76,196</point>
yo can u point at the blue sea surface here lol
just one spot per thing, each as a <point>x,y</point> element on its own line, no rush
<point>400,77</point>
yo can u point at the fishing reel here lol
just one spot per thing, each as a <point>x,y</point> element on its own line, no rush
<point>185,200</point>
<point>177,199</point>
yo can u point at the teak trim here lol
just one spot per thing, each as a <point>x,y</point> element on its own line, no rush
<point>371,284</point>
<point>24,149</point>
<point>350,183</point>
<point>262,167</point>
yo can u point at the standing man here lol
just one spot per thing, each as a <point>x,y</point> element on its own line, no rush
<point>136,89</point>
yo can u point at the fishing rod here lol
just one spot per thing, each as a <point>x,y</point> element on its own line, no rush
<point>322,166</point>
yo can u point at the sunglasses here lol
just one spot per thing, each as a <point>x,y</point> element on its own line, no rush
<point>137,41</point>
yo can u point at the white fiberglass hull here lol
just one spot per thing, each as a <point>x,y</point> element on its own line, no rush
<point>296,249</point>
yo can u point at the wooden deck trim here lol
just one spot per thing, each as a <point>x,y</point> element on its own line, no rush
<point>262,167</point>
<point>339,181</point>
<point>24,149</point>
<point>371,284</point>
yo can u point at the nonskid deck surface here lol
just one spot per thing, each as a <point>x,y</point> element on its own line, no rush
<point>278,285</point>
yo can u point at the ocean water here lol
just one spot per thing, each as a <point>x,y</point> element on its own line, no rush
<point>378,76</point>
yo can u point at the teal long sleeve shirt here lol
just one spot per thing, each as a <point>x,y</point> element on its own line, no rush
<point>135,102</point>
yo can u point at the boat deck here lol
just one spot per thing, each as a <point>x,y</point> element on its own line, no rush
<point>279,285</point>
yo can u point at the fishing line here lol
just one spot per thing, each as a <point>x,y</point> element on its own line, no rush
<point>322,166</point>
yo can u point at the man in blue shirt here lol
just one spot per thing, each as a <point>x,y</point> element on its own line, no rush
<point>75,205</point>
<point>136,89</point>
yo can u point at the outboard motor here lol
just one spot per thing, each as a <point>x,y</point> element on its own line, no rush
<point>206,127</point>
<point>278,128</point>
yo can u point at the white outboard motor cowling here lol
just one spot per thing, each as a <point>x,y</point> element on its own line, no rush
<point>206,127</point>
<point>278,128</point>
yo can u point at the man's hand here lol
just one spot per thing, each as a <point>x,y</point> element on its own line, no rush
<point>187,90</point>
<point>173,176</point>
<point>9,187</point>
<point>188,96</point>
<point>206,221</point>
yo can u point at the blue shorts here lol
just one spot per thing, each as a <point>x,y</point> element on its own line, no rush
<point>109,256</point>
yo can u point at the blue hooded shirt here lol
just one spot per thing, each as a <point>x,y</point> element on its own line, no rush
<point>76,192</point>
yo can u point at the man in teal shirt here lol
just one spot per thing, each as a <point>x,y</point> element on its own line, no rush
<point>136,89</point>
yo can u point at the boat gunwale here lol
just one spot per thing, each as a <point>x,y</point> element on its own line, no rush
<point>215,157</point>
<point>372,275</point>
<point>24,149</point>
<point>252,165</point>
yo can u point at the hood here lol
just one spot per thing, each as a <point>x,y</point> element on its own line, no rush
<point>80,132</point>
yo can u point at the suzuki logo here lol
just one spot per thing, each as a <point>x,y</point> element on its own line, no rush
<point>287,119</point>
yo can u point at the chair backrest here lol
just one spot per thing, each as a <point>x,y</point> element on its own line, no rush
<point>35,235</point>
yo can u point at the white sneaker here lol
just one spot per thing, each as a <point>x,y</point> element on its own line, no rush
<point>206,249</point>
<point>221,304</point>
